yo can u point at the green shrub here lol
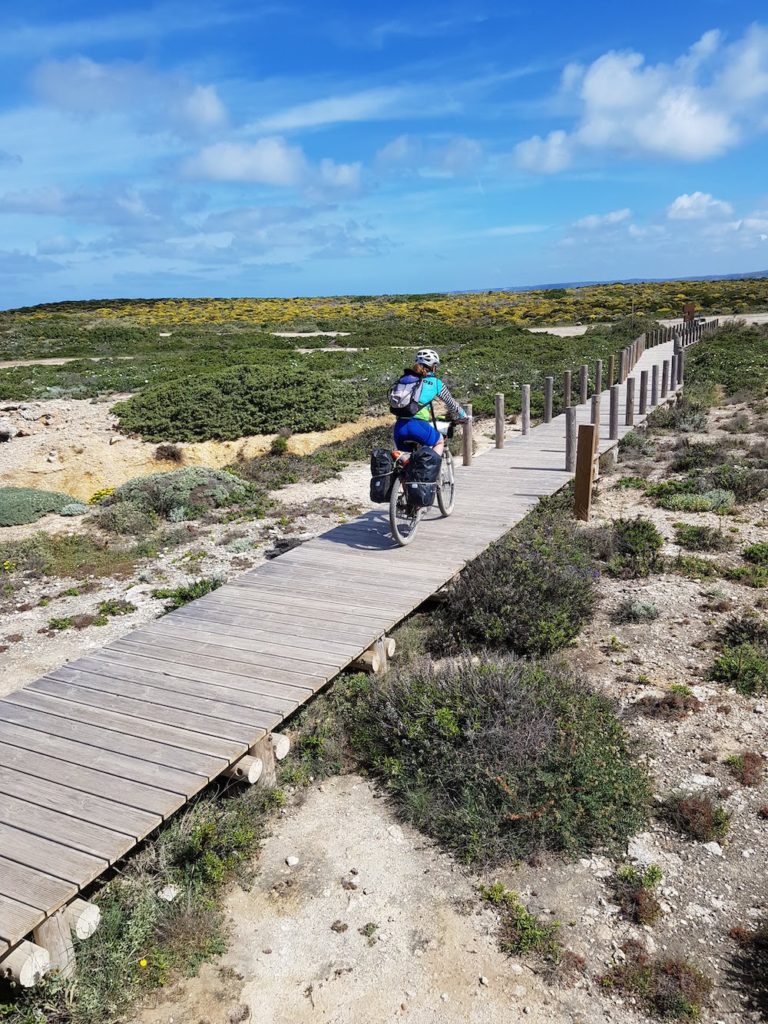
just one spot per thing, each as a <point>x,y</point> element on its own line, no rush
<point>668,988</point>
<point>116,606</point>
<point>635,443</point>
<point>21,505</point>
<point>521,933</point>
<point>500,759</point>
<point>744,482</point>
<point>701,538</point>
<point>689,416</point>
<point>734,358</point>
<point>179,596</point>
<point>744,666</point>
<point>744,629</point>
<point>630,547</point>
<point>697,455</point>
<point>530,593</point>
<point>718,501</point>
<point>125,519</point>
<point>695,567</point>
<point>75,508</point>
<point>73,555</point>
<point>750,575</point>
<point>631,482</point>
<point>190,490</point>
<point>238,402</point>
<point>633,610</point>
<point>757,553</point>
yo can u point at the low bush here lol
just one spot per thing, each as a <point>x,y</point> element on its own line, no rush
<point>749,575</point>
<point>695,567</point>
<point>238,402</point>
<point>674,705</point>
<point>635,892</point>
<point>190,491</point>
<point>714,500</point>
<point>633,610</point>
<point>530,593</point>
<point>757,553</point>
<point>177,597</point>
<point>746,483</point>
<point>743,666</point>
<point>688,416</point>
<point>666,987</point>
<point>630,548</point>
<point>701,538</point>
<point>747,768</point>
<point>521,933</point>
<point>22,505</point>
<point>749,968</point>
<point>744,629</point>
<point>75,508</point>
<point>635,443</point>
<point>690,455</point>
<point>125,519</point>
<point>169,453</point>
<point>697,816</point>
<point>500,759</point>
<point>72,555</point>
<point>631,483</point>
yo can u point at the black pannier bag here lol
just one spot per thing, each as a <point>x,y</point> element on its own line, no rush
<point>421,476</point>
<point>382,466</point>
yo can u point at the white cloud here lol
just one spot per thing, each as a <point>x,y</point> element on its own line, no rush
<point>544,156</point>
<point>341,176</point>
<point>361,106</point>
<point>509,230</point>
<point>600,220</point>
<point>268,161</point>
<point>203,108</point>
<point>692,109</point>
<point>431,158</point>
<point>698,206</point>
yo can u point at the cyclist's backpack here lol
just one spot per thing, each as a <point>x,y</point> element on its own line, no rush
<point>402,398</point>
<point>382,475</point>
<point>421,476</point>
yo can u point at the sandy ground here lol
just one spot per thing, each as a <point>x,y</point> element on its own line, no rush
<point>75,447</point>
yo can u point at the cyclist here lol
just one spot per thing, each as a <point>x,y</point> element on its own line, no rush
<point>411,399</point>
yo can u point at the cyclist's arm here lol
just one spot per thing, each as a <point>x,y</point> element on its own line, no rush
<point>450,402</point>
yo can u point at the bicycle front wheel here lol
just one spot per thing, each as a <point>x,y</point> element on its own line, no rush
<point>403,520</point>
<point>446,488</point>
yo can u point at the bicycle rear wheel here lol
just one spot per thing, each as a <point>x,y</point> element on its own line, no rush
<point>403,520</point>
<point>446,487</point>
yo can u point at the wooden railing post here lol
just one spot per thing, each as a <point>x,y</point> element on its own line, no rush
<point>570,439</point>
<point>594,413</point>
<point>643,392</point>
<point>500,420</point>
<point>525,414</point>
<point>598,376</point>
<point>629,417</point>
<point>585,463</point>
<point>680,368</point>
<point>613,416</point>
<point>655,385</point>
<point>664,378</point>
<point>583,383</point>
<point>673,372</point>
<point>567,389</point>
<point>611,370</point>
<point>467,436</point>
<point>549,383</point>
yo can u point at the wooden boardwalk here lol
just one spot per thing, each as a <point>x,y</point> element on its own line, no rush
<point>97,754</point>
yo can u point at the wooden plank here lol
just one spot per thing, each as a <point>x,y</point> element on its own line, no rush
<point>279,641</point>
<point>186,740</point>
<point>49,857</point>
<point>106,844</point>
<point>16,919</point>
<point>36,888</point>
<point>86,807</point>
<point>299,606</point>
<point>176,785</point>
<point>336,595</point>
<point>309,598</point>
<point>320,620</point>
<point>151,711</point>
<point>220,702</point>
<point>244,625</point>
<point>90,781</point>
<point>111,742</point>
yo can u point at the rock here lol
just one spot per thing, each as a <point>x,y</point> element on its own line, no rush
<point>714,848</point>
<point>169,893</point>
<point>396,833</point>
<point>239,1013</point>
<point>519,991</point>
<point>642,849</point>
<point>115,440</point>
<point>483,980</point>
<point>7,430</point>
<point>292,861</point>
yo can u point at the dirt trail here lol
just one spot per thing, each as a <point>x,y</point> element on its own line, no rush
<point>432,957</point>
<point>75,447</point>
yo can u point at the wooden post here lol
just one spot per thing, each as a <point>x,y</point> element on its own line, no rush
<point>500,420</point>
<point>570,439</point>
<point>613,414</point>
<point>525,416</point>
<point>27,965</point>
<point>598,376</point>
<point>281,744</point>
<point>265,752</point>
<point>664,378</point>
<point>83,918</point>
<point>548,386</point>
<point>611,370</point>
<point>594,415</point>
<point>55,936</point>
<point>585,462</point>
<point>247,769</point>
<point>680,368</point>
<point>369,661</point>
<point>567,389</point>
<point>466,447</point>
<point>629,418</point>
<point>643,392</point>
<point>583,383</point>
<point>655,385</point>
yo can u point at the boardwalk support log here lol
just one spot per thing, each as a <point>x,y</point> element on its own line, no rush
<point>281,744</point>
<point>264,751</point>
<point>55,936</point>
<point>247,769</point>
<point>585,464</point>
<point>27,965</point>
<point>83,918</point>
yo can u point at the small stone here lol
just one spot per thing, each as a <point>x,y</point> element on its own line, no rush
<point>266,951</point>
<point>714,848</point>
<point>518,991</point>
<point>483,980</point>
<point>169,893</point>
<point>444,996</point>
<point>239,1013</point>
<point>115,440</point>
<point>291,861</point>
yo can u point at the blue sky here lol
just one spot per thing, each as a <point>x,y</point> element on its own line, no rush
<point>283,148</point>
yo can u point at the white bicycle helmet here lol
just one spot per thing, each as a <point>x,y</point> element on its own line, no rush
<point>427,357</point>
